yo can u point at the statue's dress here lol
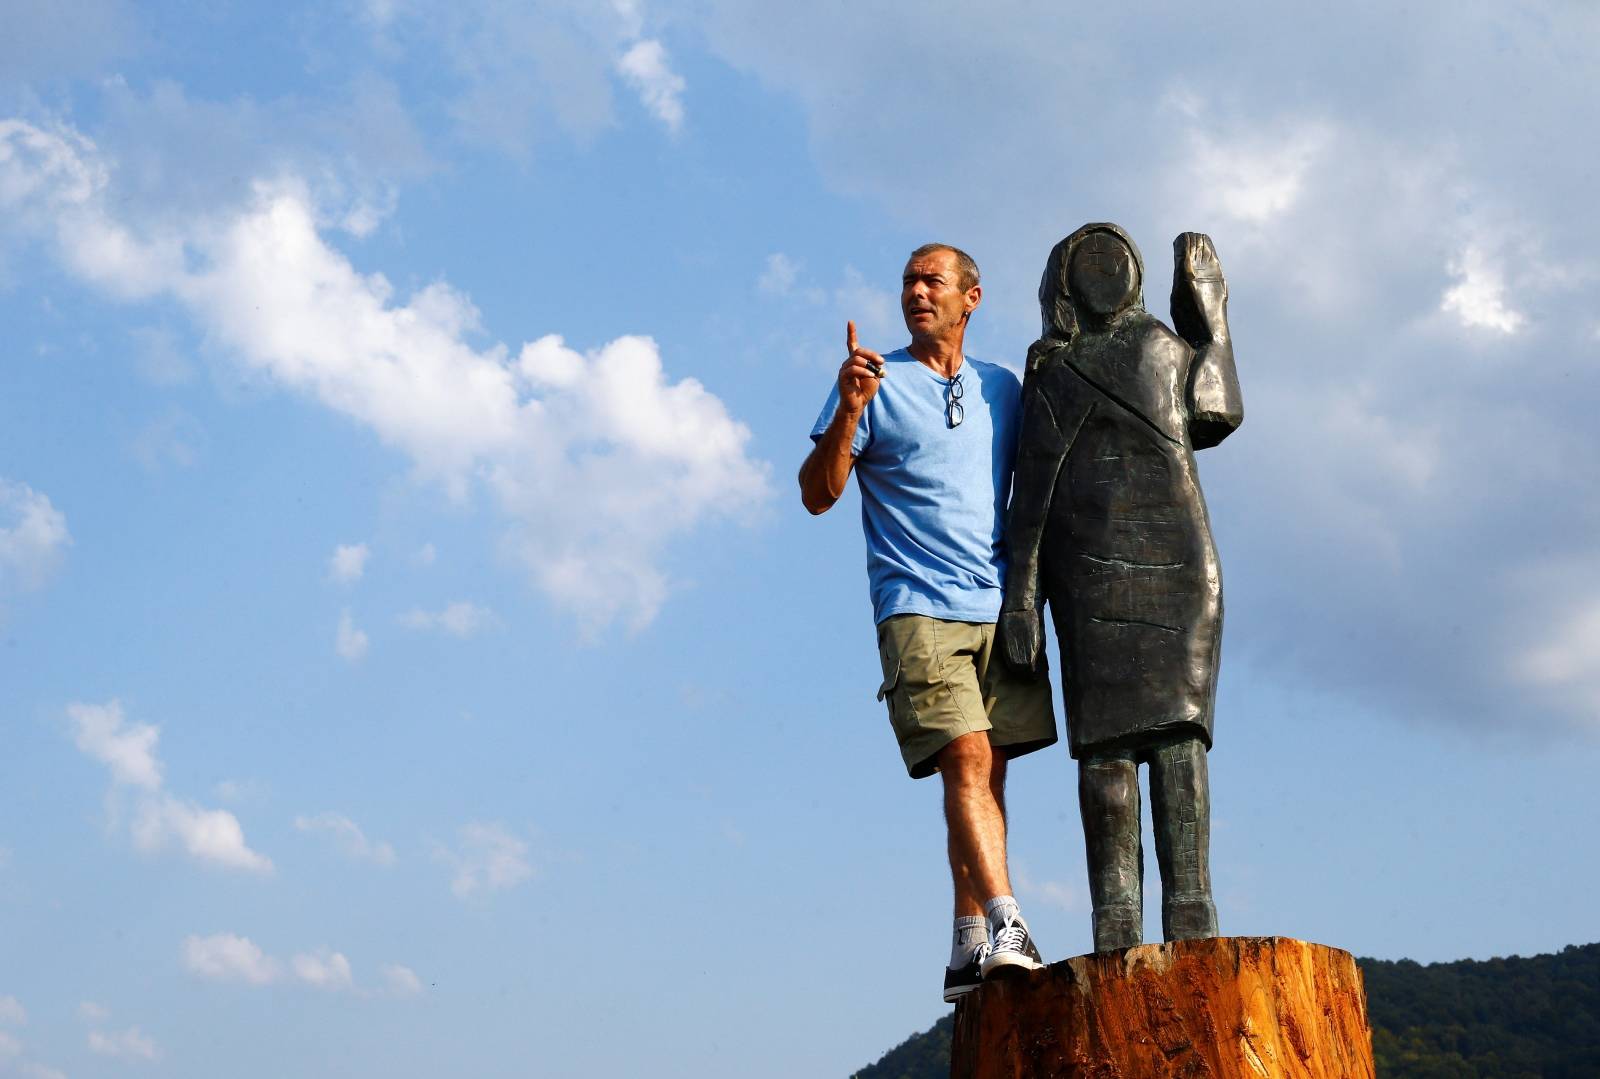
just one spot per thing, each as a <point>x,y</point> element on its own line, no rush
<point>1106,499</point>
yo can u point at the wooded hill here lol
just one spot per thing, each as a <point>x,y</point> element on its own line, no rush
<point>1534,1018</point>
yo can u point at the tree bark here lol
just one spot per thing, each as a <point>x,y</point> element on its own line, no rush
<point>1245,1007</point>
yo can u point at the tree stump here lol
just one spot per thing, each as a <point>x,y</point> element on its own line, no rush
<point>1246,1007</point>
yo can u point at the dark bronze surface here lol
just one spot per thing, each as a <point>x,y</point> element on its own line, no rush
<point>1108,525</point>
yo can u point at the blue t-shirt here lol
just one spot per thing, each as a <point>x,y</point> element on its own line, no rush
<point>933,497</point>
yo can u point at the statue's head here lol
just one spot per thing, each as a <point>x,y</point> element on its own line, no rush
<point>1092,276</point>
<point>1103,274</point>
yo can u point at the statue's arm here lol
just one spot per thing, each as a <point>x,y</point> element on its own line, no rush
<point>1041,449</point>
<point>1200,315</point>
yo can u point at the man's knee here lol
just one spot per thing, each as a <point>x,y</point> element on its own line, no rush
<point>968,759</point>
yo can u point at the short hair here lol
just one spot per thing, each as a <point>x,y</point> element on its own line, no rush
<point>965,267</point>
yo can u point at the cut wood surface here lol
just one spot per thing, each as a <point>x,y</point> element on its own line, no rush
<point>1246,1007</point>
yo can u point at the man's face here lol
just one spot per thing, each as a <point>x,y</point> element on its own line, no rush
<point>931,296</point>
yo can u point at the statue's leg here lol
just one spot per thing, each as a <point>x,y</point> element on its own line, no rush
<point>1108,799</point>
<point>1180,802</point>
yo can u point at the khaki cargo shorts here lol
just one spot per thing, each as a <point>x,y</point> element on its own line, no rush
<point>945,679</point>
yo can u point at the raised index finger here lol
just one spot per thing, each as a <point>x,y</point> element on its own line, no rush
<point>850,337</point>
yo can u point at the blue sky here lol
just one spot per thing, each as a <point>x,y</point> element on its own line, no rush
<point>416,658</point>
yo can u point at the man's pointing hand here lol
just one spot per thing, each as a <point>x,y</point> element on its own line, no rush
<point>859,375</point>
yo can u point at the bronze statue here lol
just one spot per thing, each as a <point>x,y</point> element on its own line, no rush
<point>1107,524</point>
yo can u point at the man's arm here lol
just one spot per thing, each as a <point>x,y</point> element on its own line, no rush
<point>827,468</point>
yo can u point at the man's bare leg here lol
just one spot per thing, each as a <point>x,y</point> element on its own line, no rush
<point>975,814</point>
<point>974,811</point>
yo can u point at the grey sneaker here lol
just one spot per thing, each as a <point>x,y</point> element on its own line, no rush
<point>958,982</point>
<point>1012,948</point>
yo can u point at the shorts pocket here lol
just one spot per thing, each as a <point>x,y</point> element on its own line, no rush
<point>895,693</point>
<point>891,678</point>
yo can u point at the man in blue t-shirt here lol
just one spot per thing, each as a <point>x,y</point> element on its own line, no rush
<point>931,435</point>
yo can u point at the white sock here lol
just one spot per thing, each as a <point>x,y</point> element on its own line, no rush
<point>971,933</point>
<point>1000,910</point>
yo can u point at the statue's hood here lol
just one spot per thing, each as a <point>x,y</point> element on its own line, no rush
<point>1059,312</point>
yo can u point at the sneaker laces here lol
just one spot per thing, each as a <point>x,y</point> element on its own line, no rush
<point>1012,937</point>
<point>977,955</point>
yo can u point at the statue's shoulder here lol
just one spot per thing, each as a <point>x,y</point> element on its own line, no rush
<point>1159,344</point>
<point>1043,366</point>
<point>1150,333</point>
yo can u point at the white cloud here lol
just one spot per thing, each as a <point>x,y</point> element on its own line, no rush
<point>401,980</point>
<point>646,69</point>
<point>210,835</point>
<point>1566,660</point>
<point>349,837</point>
<point>779,275</point>
<point>631,16</point>
<point>323,970</point>
<point>33,533</point>
<point>549,364</point>
<point>489,858</point>
<point>425,555</point>
<point>10,1045</point>
<point>348,641</point>
<point>91,1012</point>
<point>130,1044</point>
<point>459,619</point>
<point>12,1011</point>
<point>1478,299</point>
<point>129,751</point>
<point>1255,178</point>
<point>364,215</point>
<point>348,562</point>
<point>224,957</point>
<point>598,474</point>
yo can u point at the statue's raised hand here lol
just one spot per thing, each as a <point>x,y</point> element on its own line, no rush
<point>1022,641</point>
<point>1200,315</point>
<point>1199,293</point>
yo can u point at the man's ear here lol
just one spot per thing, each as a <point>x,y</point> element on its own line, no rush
<point>975,296</point>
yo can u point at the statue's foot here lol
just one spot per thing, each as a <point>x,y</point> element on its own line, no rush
<point>1118,927</point>
<point>1191,917</point>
